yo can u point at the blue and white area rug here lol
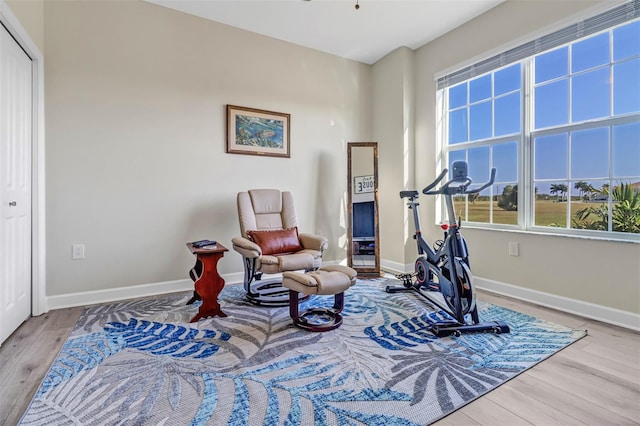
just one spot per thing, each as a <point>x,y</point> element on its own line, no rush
<point>142,363</point>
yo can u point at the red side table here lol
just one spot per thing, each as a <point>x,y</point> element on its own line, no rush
<point>207,281</point>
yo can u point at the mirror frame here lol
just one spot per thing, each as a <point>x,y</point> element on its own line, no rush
<point>363,270</point>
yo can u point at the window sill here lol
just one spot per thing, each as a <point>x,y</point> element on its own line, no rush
<point>632,238</point>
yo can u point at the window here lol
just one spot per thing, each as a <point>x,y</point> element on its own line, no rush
<point>485,127</point>
<point>560,122</point>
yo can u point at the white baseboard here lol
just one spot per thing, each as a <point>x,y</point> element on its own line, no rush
<point>589,310</point>
<point>143,290</point>
<point>394,267</point>
<point>601,313</point>
<point>585,309</point>
<point>114,294</point>
<point>234,278</point>
<point>122,293</point>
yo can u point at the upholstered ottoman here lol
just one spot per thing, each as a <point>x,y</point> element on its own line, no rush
<point>328,280</point>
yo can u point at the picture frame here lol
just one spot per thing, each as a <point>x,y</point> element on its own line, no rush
<point>252,131</point>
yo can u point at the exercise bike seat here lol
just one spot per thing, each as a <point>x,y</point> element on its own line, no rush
<point>409,194</point>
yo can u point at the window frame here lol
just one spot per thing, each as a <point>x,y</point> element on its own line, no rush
<point>525,145</point>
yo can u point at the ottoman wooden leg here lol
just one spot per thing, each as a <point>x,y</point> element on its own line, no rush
<point>294,306</point>
<point>331,280</point>
<point>301,320</point>
<point>338,303</point>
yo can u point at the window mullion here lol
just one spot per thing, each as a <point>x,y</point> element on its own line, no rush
<point>568,179</point>
<point>570,83</point>
<point>442,138</point>
<point>610,197</point>
<point>611,113</point>
<point>525,157</point>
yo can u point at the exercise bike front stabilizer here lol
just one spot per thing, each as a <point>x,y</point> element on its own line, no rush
<point>445,268</point>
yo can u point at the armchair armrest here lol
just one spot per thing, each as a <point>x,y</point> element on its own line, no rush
<point>313,242</point>
<point>246,248</point>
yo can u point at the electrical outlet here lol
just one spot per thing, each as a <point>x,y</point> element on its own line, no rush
<point>77,251</point>
<point>514,249</point>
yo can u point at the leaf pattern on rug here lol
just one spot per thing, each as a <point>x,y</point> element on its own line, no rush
<point>77,354</point>
<point>166,339</point>
<point>435,368</point>
<point>360,361</point>
<point>95,317</point>
<point>381,367</point>
<point>259,334</point>
<point>146,379</point>
<point>431,365</point>
<point>155,376</point>
<point>70,403</point>
<point>409,332</point>
<point>528,341</point>
<point>361,302</point>
<point>477,361</point>
<point>319,389</point>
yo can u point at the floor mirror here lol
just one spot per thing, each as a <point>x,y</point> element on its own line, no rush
<point>363,248</point>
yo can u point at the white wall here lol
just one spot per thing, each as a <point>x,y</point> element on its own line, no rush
<point>136,162</point>
<point>596,272</point>
<point>135,145</point>
<point>393,128</point>
<point>31,16</point>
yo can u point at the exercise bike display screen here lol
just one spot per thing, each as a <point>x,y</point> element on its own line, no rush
<point>459,170</point>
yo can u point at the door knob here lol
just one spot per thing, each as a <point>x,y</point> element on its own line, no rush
<point>13,204</point>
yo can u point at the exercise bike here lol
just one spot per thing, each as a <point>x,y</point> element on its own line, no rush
<point>445,268</point>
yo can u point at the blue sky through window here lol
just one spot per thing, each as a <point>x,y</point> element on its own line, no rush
<point>590,53</point>
<point>591,79</point>
<point>626,150</point>
<point>584,82</point>
<point>571,113</point>
<point>590,153</point>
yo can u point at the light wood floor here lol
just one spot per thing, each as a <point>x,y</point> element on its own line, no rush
<point>595,381</point>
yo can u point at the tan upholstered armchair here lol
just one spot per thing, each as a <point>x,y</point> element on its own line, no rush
<point>270,244</point>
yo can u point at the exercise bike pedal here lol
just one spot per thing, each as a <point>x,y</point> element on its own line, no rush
<point>404,276</point>
<point>406,279</point>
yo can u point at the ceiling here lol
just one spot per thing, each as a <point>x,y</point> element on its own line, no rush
<point>335,26</point>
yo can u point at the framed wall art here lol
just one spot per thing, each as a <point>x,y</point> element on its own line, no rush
<point>253,131</point>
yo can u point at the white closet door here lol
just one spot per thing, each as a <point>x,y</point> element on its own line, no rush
<point>15,184</point>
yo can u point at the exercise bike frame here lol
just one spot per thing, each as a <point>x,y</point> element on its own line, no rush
<point>449,262</point>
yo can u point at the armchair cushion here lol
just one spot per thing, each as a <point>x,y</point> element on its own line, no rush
<point>277,241</point>
<point>246,247</point>
<point>313,242</point>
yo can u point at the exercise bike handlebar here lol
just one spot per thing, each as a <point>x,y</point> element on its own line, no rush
<point>435,182</point>
<point>486,185</point>
<point>461,189</point>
